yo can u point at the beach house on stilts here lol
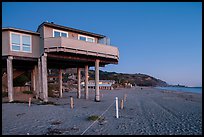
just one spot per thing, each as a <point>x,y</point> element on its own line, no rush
<point>53,46</point>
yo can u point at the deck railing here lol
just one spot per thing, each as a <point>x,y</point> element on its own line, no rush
<point>81,47</point>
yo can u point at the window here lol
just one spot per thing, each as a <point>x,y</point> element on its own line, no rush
<point>20,42</point>
<point>90,39</point>
<point>82,38</point>
<point>26,43</point>
<point>15,42</point>
<point>58,33</point>
<point>63,34</point>
<point>86,38</point>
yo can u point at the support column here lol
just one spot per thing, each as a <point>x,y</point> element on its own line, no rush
<point>34,80</point>
<point>44,77</point>
<point>97,95</point>
<point>60,82</point>
<point>86,81</point>
<point>78,82</point>
<point>10,78</point>
<point>39,83</point>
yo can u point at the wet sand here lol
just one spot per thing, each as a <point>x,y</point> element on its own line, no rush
<point>146,112</point>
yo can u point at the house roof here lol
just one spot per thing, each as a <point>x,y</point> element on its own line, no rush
<point>70,29</point>
<point>20,30</point>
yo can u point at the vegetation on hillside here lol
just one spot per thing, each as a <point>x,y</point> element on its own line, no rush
<point>134,79</point>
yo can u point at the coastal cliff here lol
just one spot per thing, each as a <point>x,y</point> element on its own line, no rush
<point>134,79</point>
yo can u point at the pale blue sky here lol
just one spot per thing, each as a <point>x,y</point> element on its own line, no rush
<point>163,40</point>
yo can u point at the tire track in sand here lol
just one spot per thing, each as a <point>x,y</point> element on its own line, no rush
<point>178,118</point>
<point>146,118</point>
<point>160,119</point>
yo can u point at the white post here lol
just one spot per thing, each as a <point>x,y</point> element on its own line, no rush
<point>116,105</point>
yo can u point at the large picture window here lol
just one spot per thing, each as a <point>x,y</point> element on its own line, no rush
<point>86,38</point>
<point>20,42</point>
<point>58,33</point>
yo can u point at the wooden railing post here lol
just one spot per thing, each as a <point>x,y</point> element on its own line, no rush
<point>125,97</point>
<point>71,102</point>
<point>29,101</point>
<point>121,104</point>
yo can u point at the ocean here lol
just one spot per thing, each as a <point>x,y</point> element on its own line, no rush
<point>183,89</point>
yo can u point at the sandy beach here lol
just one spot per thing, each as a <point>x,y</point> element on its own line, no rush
<point>146,112</point>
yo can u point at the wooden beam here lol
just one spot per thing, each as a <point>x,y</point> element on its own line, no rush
<point>81,58</point>
<point>25,58</point>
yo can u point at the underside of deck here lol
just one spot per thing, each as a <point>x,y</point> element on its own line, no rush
<point>53,60</point>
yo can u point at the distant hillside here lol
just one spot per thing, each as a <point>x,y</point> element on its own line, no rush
<point>120,78</point>
<point>135,79</point>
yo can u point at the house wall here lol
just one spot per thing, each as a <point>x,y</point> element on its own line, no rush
<point>6,44</point>
<point>41,31</point>
<point>48,32</point>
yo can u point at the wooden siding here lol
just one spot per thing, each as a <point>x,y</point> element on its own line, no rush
<point>6,44</point>
<point>48,32</point>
